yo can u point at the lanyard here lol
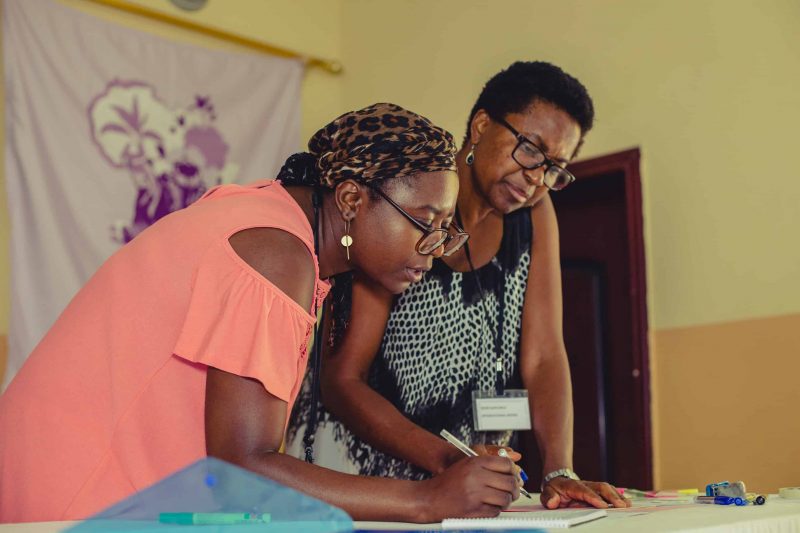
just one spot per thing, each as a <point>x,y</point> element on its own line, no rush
<point>498,338</point>
<point>316,352</point>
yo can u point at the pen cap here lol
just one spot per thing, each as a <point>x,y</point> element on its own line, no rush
<point>176,518</point>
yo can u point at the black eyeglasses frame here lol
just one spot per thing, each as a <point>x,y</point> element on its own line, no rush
<point>547,162</point>
<point>426,230</point>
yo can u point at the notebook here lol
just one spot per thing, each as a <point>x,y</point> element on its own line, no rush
<point>533,519</point>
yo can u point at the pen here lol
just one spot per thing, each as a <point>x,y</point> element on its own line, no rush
<point>213,519</point>
<point>449,437</point>
<point>502,453</point>
<point>720,500</point>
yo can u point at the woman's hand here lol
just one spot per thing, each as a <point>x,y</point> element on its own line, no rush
<point>474,487</point>
<point>490,450</point>
<point>562,492</point>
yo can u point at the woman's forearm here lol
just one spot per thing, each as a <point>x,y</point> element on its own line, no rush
<point>363,498</point>
<point>473,487</point>
<point>374,419</point>
<point>551,412</point>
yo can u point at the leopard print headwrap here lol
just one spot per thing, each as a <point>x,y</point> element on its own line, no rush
<point>375,143</point>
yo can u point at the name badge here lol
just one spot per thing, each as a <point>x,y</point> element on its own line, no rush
<point>501,412</point>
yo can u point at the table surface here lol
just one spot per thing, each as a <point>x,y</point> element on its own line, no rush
<point>776,515</point>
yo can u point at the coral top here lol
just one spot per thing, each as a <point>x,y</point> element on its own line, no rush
<point>112,398</point>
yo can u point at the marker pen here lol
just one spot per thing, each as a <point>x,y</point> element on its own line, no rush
<point>720,500</point>
<point>213,519</point>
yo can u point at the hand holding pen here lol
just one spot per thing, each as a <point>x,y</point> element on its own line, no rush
<point>449,437</point>
<point>477,487</point>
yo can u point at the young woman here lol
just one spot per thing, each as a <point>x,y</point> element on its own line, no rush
<point>405,369</point>
<point>192,339</point>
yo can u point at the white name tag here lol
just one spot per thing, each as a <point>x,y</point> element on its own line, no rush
<point>509,411</point>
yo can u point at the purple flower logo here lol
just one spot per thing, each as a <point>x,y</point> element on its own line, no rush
<point>172,155</point>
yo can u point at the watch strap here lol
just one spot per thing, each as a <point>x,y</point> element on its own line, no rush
<point>561,472</point>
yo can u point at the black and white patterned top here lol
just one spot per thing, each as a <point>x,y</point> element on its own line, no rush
<point>438,347</point>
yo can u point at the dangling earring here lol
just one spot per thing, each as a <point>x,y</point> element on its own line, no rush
<point>347,240</point>
<point>471,155</point>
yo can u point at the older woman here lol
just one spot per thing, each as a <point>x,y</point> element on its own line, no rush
<point>191,339</point>
<point>486,318</point>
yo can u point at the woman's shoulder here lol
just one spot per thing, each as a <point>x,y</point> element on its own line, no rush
<point>227,209</point>
<point>281,258</point>
<point>267,234</point>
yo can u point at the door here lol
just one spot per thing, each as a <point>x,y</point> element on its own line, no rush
<point>605,318</point>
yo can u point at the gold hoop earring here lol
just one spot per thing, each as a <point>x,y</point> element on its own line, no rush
<point>471,156</point>
<point>347,240</point>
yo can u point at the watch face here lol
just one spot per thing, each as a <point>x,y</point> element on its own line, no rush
<point>189,5</point>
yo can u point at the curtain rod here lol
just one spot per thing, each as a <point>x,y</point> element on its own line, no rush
<point>332,66</point>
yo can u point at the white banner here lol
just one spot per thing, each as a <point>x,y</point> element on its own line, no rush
<point>107,130</point>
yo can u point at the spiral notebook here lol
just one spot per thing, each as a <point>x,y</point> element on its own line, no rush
<point>533,519</point>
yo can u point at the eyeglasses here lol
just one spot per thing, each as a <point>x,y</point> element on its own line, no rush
<point>530,157</point>
<point>452,237</point>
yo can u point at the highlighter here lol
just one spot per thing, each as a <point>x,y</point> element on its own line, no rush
<point>213,519</point>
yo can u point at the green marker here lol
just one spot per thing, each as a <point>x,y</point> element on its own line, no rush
<point>213,519</point>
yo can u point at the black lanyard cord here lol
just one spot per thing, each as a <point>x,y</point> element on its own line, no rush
<point>498,338</point>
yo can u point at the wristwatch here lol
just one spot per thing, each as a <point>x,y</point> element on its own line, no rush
<point>561,472</point>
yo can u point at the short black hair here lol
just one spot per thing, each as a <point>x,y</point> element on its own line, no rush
<point>525,82</point>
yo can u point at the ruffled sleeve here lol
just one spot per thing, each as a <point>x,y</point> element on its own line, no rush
<point>239,322</point>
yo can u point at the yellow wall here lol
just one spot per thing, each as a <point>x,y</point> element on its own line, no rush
<point>731,408</point>
<point>5,293</point>
<point>706,88</point>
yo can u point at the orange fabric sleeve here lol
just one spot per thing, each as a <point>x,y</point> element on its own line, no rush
<point>238,322</point>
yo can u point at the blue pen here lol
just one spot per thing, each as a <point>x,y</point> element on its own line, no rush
<point>720,500</point>
<point>452,439</point>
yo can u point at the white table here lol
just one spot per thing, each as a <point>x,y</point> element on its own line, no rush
<point>778,515</point>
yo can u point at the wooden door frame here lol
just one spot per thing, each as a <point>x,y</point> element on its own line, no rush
<point>627,162</point>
